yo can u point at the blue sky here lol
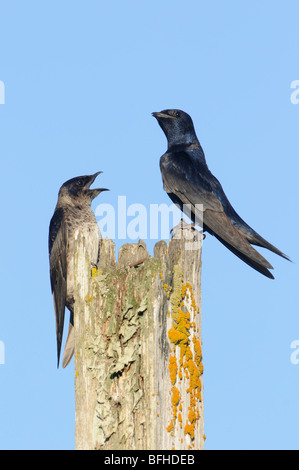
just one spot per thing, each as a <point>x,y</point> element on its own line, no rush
<point>81,81</point>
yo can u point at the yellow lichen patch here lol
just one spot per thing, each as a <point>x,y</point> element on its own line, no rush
<point>177,337</point>
<point>188,354</point>
<point>173,369</point>
<point>167,289</point>
<point>94,272</point>
<point>198,352</point>
<point>170,427</point>
<point>189,429</point>
<point>88,299</point>
<point>175,399</point>
<point>184,340</point>
<point>175,396</point>
<point>184,290</point>
<point>192,415</point>
<point>183,322</point>
<point>194,374</point>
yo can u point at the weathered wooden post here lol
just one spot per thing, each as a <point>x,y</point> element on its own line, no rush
<point>138,360</point>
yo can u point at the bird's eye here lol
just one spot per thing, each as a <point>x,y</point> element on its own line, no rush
<point>80,183</point>
<point>177,114</point>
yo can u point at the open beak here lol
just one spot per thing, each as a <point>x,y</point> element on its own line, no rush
<point>97,191</point>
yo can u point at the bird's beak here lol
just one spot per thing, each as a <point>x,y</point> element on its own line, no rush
<point>162,116</point>
<point>92,179</point>
<point>95,192</point>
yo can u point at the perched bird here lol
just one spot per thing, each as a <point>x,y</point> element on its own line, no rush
<point>73,215</point>
<point>188,182</point>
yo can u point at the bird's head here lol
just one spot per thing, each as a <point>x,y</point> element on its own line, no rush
<point>177,126</point>
<point>79,188</point>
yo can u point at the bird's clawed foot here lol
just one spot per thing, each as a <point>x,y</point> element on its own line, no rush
<point>184,226</point>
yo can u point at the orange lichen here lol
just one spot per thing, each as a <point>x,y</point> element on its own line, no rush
<point>183,335</point>
<point>177,337</point>
<point>198,352</point>
<point>184,290</point>
<point>194,375</point>
<point>170,427</point>
<point>94,272</point>
<point>188,354</point>
<point>173,369</point>
<point>189,429</point>
<point>192,415</point>
<point>88,299</point>
<point>175,399</point>
<point>175,396</point>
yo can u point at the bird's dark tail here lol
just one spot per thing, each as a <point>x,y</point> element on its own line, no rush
<point>253,237</point>
<point>260,241</point>
<point>258,267</point>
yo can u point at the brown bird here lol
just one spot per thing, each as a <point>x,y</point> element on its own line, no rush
<point>73,216</point>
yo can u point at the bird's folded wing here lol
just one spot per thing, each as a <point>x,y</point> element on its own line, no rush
<point>58,274</point>
<point>190,183</point>
<point>69,346</point>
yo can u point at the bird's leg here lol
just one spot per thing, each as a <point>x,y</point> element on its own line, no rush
<point>193,227</point>
<point>185,226</point>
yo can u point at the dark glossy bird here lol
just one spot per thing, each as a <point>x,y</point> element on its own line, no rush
<point>189,182</point>
<point>73,216</point>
